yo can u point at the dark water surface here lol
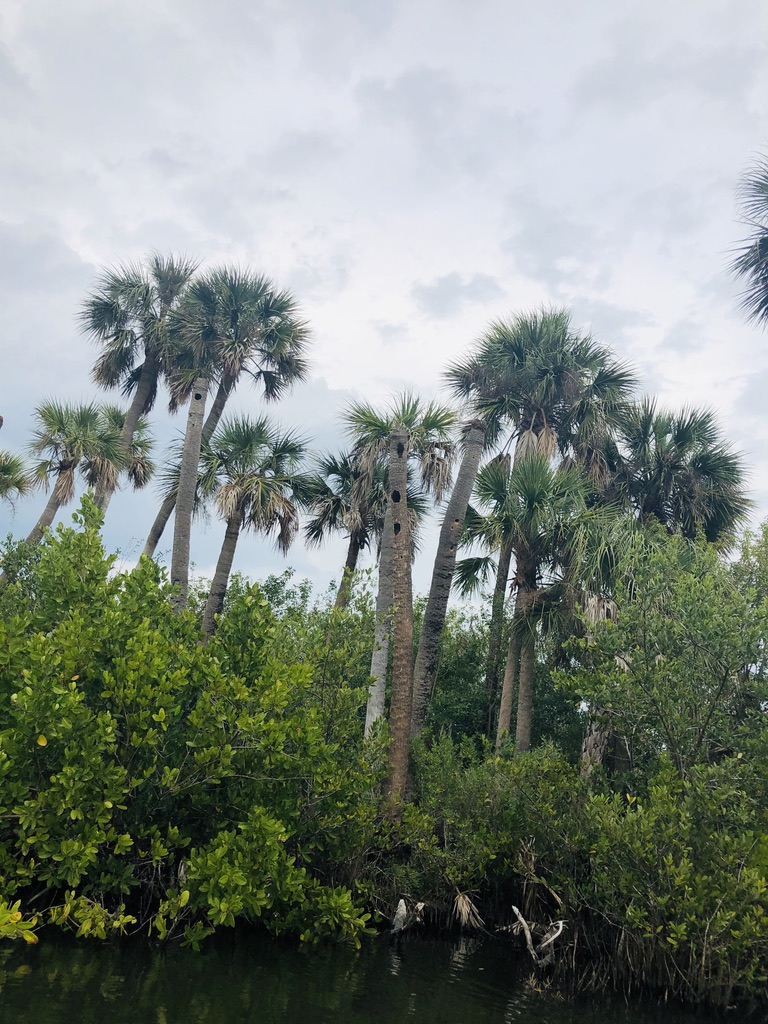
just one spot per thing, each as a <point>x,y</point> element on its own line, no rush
<point>252,979</point>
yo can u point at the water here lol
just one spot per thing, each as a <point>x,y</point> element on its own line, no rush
<point>246,978</point>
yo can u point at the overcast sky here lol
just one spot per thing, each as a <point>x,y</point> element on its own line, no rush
<point>410,169</point>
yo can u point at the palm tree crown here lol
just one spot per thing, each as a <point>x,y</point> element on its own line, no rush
<point>676,468</point>
<point>751,259</point>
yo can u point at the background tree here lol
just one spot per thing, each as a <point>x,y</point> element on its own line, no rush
<point>340,501</point>
<point>674,468</point>
<point>254,474</point>
<point>127,314</point>
<point>265,341</point>
<point>14,477</point>
<point>72,439</point>
<point>431,447</point>
<point>751,260</point>
<point>543,389</point>
<point>226,316</point>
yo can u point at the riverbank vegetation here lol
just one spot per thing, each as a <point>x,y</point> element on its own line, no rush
<point>583,740</point>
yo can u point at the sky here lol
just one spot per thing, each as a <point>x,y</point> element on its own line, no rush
<point>410,170</point>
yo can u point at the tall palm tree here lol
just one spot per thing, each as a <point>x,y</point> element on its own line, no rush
<point>231,321</point>
<point>402,647</point>
<point>127,313</point>
<point>676,468</point>
<point>254,473</point>
<point>339,504</point>
<point>442,573</point>
<point>71,439</point>
<point>751,259</point>
<point>264,340</point>
<point>429,428</point>
<point>549,390</point>
<point>541,511</point>
<point>346,500</point>
<point>15,481</point>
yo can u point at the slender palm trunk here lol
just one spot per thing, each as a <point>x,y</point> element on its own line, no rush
<point>496,627</point>
<point>509,686</point>
<point>53,505</point>
<point>525,692</point>
<point>595,744</point>
<point>442,576</point>
<point>146,385</point>
<point>345,587</point>
<point>185,499</point>
<point>402,651</point>
<point>165,511</point>
<point>380,656</point>
<point>220,581</point>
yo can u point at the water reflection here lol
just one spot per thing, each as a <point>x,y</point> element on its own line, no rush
<point>243,977</point>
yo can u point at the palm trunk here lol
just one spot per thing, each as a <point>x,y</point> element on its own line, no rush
<point>52,506</point>
<point>402,652</point>
<point>595,744</point>
<point>220,581</point>
<point>496,628</point>
<point>442,576</point>
<point>509,685</point>
<point>165,511</point>
<point>345,587</point>
<point>380,656</point>
<point>185,499</point>
<point>525,692</point>
<point>146,384</point>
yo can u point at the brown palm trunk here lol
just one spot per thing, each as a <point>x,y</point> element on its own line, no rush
<point>402,650</point>
<point>525,692</point>
<point>345,587</point>
<point>509,686</point>
<point>185,499</point>
<point>442,576</point>
<point>380,655</point>
<point>52,506</point>
<point>220,581</point>
<point>165,511</point>
<point>146,385</point>
<point>496,627</point>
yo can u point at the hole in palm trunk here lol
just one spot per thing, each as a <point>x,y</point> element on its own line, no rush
<point>397,528</point>
<point>395,495</point>
<point>198,396</point>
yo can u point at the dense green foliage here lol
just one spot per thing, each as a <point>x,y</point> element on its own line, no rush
<point>148,780</point>
<point>152,781</point>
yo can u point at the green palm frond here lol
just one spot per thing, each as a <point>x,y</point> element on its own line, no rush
<point>15,478</point>
<point>473,573</point>
<point>750,260</point>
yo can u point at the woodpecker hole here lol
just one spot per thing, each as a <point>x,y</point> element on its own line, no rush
<point>400,448</point>
<point>395,495</point>
<point>397,528</point>
<point>198,396</point>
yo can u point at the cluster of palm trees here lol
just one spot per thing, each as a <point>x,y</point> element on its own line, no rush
<point>553,452</point>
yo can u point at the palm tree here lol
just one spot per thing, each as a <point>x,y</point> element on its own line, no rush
<point>429,429</point>
<point>339,504</point>
<point>541,512</point>
<point>751,259</point>
<point>254,472</point>
<point>127,313</point>
<point>442,573</point>
<point>675,468</point>
<point>402,647</point>
<point>228,317</point>
<point>15,481</point>
<point>259,335</point>
<point>345,500</point>
<point>553,392</point>
<point>72,439</point>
